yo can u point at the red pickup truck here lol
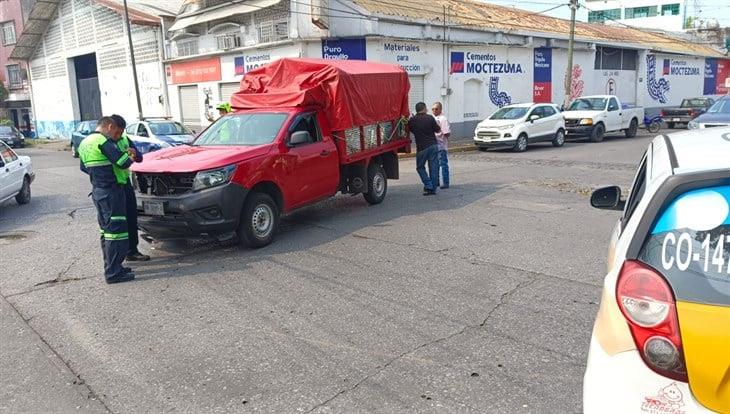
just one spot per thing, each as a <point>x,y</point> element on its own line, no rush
<point>301,130</point>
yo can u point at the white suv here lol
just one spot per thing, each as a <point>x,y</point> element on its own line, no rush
<point>516,126</point>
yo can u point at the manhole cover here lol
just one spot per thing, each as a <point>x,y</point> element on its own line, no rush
<point>6,239</point>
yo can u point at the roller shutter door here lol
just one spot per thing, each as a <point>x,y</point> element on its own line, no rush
<point>190,108</point>
<point>416,94</point>
<point>228,89</point>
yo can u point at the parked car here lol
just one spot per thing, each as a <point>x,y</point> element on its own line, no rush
<point>154,134</point>
<point>516,126</point>
<point>596,116</point>
<point>290,144</point>
<point>83,129</point>
<point>717,115</point>
<point>16,175</point>
<point>688,110</point>
<point>661,337</point>
<point>11,136</point>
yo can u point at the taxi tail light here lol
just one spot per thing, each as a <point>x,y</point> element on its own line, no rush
<point>647,303</point>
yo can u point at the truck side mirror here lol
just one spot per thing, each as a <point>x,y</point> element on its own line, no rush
<point>299,138</point>
<point>608,198</point>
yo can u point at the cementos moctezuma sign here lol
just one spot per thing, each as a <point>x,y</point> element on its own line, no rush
<point>476,63</point>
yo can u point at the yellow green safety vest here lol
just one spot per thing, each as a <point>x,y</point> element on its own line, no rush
<point>121,174</point>
<point>90,151</point>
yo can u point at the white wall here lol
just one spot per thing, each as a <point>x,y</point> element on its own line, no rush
<point>685,79</point>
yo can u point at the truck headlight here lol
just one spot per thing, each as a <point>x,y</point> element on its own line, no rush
<point>586,121</point>
<point>213,178</point>
<point>693,125</point>
<point>506,127</point>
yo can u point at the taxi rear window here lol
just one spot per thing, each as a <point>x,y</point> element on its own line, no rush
<point>690,245</point>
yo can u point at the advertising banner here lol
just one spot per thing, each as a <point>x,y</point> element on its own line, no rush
<point>196,71</point>
<point>542,89</point>
<point>344,49</point>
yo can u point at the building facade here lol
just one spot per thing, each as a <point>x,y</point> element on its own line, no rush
<point>670,15</point>
<point>473,70</point>
<point>15,106</point>
<point>80,66</point>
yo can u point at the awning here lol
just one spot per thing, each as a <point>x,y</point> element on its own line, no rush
<point>221,12</point>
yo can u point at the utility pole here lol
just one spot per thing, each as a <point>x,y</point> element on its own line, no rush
<point>571,45</point>
<point>134,64</point>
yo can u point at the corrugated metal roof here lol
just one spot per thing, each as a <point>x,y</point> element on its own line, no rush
<point>490,17</point>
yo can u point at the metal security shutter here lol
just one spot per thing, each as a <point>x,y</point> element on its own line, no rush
<point>228,89</point>
<point>189,107</point>
<point>416,94</point>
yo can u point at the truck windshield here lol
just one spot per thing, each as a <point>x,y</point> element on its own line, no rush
<point>693,103</point>
<point>243,129</point>
<point>720,107</point>
<point>510,113</point>
<point>588,104</point>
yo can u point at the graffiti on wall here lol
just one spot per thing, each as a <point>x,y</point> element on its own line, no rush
<point>657,88</point>
<point>498,98</point>
<point>55,129</point>
<point>576,84</point>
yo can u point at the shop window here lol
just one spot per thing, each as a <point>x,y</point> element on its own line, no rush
<point>629,59</point>
<point>670,9</point>
<point>611,58</point>
<point>8,32</point>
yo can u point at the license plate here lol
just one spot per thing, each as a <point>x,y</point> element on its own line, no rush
<point>676,119</point>
<point>154,208</point>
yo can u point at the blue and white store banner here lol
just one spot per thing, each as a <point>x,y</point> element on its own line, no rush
<point>344,49</point>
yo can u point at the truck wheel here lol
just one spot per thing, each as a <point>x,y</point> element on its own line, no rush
<point>23,196</point>
<point>259,221</point>
<point>377,184</point>
<point>559,139</point>
<point>521,144</point>
<point>597,133</point>
<point>670,125</point>
<point>633,127</point>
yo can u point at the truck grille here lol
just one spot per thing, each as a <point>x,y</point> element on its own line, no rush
<point>572,122</point>
<point>675,112</point>
<point>164,184</point>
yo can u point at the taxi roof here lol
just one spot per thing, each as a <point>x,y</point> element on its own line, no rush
<point>700,150</point>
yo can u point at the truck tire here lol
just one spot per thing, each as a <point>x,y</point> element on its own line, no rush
<point>633,127</point>
<point>259,221</point>
<point>23,197</point>
<point>598,132</point>
<point>559,139</point>
<point>377,184</point>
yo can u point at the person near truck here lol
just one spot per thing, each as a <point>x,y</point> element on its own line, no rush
<point>442,139</point>
<point>126,145</point>
<point>224,108</point>
<point>424,129</point>
<point>103,161</point>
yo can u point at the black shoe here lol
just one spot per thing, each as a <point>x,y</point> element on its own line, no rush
<point>127,269</point>
<point>120,279</point>
<point>429,193</point>
<point>444,186</point>
<point>137,257</point>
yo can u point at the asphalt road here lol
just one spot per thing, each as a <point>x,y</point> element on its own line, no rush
<point>479,299</point>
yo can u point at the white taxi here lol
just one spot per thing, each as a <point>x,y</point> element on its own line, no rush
<point>661,339</point>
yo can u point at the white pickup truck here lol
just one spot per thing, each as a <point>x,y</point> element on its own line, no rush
<point>595,116</point>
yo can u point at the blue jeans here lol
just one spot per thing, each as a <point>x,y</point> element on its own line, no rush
<point>430,155</point>
<point>444,163</point>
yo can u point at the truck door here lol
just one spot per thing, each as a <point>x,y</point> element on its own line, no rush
<point>316,174</point>
<point>613,116</point>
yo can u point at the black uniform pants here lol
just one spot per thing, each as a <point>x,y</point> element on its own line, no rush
<point>111,208</point>
<point>131,201</point>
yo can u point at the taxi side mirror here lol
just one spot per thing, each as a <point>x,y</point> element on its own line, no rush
<point>608,198</point>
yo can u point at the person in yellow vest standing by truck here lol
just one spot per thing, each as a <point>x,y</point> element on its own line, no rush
<point>103,161</point>
<point>127,146</point>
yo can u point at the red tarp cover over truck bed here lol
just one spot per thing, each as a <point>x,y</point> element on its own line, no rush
<point>351,92</point>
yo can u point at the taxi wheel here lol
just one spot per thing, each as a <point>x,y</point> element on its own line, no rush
<point>23,196</point>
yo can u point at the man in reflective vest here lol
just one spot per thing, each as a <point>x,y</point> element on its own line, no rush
<point>125,145</point>
<point>99,156</point>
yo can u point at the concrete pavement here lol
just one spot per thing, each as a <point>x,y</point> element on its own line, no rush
<point>479,299</point>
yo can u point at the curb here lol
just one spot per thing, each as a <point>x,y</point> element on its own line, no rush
<point>459,148</point>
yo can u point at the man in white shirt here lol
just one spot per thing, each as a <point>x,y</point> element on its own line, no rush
<point>442,139</point>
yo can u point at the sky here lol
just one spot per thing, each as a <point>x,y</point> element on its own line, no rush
<point>717,9</point>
